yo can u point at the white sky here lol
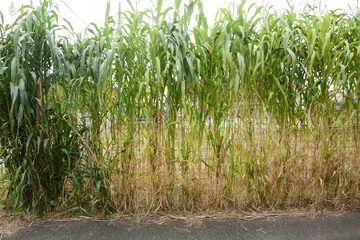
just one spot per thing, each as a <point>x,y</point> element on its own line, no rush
<point>82,12</point>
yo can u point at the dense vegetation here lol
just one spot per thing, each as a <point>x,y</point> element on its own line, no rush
<point>156,110</point>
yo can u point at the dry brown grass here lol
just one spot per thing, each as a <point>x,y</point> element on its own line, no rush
<point>269,171</point>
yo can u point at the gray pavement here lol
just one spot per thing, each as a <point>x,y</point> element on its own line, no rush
<point>346,226</point>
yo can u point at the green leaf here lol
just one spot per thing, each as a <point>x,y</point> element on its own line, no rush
<point>3,69</point>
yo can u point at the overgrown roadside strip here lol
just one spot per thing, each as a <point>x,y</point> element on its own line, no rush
<point>156,111</point>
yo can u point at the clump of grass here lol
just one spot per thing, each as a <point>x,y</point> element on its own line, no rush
<point>160,111</point>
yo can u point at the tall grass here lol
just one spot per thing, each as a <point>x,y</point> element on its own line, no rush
<point>160,111</point>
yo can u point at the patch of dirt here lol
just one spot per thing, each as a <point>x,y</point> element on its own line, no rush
<point>12,223</point>
<point>191,217</point>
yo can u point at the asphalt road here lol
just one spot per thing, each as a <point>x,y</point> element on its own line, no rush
<point>346,226</point>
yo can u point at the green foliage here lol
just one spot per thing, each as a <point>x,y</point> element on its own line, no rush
<point>160,110</point>
<point>40,138</point>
